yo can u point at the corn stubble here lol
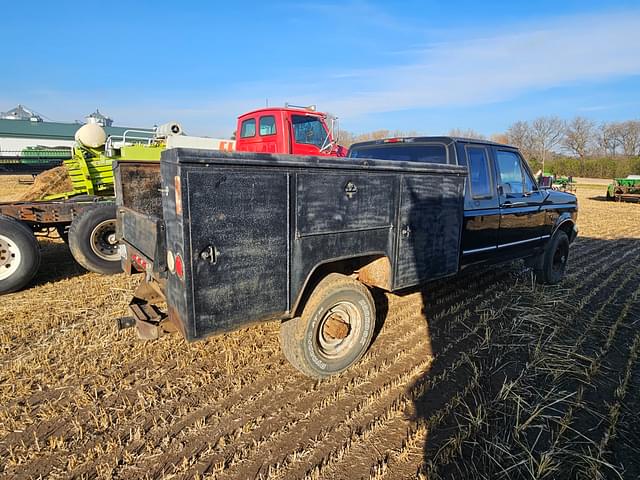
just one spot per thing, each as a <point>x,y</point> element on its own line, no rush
<point>483,376</point>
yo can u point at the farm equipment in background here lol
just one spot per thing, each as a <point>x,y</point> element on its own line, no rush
<point>625,189</point>
<point>84,215</point>
<point>560,183</point>
<point>33,160</point>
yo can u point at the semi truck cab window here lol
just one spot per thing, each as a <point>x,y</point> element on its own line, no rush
<point>309,130</point>
<point>267,125</point>
<point>248,128</point>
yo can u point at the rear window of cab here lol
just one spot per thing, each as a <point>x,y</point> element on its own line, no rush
<point>429,153</point>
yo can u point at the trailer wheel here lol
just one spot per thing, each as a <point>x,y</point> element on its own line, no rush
<point>334,330</point>
<point>554,259</point>
<point>92,240</point>
<point>19,255</point>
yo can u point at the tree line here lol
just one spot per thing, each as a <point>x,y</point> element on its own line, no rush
<point>578,147</point>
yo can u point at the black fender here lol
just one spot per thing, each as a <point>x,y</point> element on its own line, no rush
<point>567,224</point>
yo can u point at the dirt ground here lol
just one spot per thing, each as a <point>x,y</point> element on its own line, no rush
<point>487,375</point>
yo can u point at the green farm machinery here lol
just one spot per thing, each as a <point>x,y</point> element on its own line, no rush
<point>624,189</point>
<point>562,183</point>
<point>85,215</point>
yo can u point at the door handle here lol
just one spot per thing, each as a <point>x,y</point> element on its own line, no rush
<point>514,204</point>
<point>209,254</point>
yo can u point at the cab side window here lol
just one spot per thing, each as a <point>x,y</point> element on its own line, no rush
<point>511,174</point>
<point>267,125</point>
<point>309,130</point>
<point>248,128</point>
<point>480,178</point>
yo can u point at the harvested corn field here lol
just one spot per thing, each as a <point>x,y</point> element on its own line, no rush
<point>486,375</point>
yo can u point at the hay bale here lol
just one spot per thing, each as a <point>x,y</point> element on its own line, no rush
<point>49,182</point>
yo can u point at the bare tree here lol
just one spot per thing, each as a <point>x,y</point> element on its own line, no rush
<point>499,138</point>
<point>578,136</point>
<point>546,133</point>
<point>466,133</point>
<point>519,135</point>
<point>629,137</point>
<point>607,138</point>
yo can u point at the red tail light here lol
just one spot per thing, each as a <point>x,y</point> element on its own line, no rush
<point>179,267</point>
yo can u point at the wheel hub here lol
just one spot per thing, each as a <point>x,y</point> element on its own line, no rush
<point>338,330</point>
<point>335,328</point>
<point>9,257</point>
<point>103,240</point>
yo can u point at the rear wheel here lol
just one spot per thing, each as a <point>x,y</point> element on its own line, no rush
<point>92,240</point>
<point>19,255</point>
<point>554,259</point>
<point>334,330</point>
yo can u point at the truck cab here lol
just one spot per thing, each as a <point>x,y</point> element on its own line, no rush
<point>506,214</point>
<point>294,130</point>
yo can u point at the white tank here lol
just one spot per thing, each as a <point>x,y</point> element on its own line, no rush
<point>91,135</point>
<point>169,129</point>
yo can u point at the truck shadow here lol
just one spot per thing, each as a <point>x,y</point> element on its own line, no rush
<point>473,327</point>
<point>56,263</point>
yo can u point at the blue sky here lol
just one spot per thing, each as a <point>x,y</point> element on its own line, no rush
<point>426,66</point>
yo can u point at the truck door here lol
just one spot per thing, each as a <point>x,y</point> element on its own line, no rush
<point>309,134</point>
<point>481,212</point>
<point>522,220</point>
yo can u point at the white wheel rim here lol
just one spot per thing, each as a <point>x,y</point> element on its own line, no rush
<point>337,348</point>
<point>103,241</point>
<point>10,257</point>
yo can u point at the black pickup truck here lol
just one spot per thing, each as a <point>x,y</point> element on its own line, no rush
<point>226,239</point>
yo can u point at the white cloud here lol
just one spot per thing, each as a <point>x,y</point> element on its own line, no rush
<point>496,64</point>
<point>495,67</point>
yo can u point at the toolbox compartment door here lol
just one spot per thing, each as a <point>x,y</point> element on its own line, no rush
<point>140,231</point>
<point>238,243</point>
<point>429,228</point>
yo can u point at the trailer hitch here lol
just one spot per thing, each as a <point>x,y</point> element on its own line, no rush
<point>150,321</point>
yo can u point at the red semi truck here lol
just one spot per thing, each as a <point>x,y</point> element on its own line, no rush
<point>295,130</point>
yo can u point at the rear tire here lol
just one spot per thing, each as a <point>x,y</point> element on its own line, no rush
<point>554,259</point>
<point>334,330</point>
<point>19,255</point>
<point>92,240</point>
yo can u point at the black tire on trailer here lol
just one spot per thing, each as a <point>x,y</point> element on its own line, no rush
<point>554,259</point>
<point>334,330</point>
<point>92,239</point>
<point>19,254</point>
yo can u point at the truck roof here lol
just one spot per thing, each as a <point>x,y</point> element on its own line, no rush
<point>440,139</point>
<point>284,109</point>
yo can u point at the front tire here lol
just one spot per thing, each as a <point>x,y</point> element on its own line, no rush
<point>92,240</point>
<point>554,259</point>
<point>334,330</point>
<point>19,255</point>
